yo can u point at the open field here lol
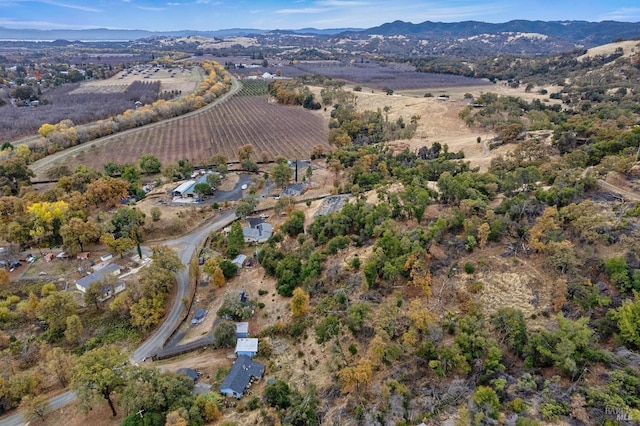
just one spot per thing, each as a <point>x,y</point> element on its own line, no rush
<point>178,79</point>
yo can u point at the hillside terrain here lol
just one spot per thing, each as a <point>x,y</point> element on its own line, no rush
<point>464,252</point>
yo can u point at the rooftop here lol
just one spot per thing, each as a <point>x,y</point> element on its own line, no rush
<point>247,345</point>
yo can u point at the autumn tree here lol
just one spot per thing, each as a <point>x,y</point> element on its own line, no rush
<point>4,277</point>
<point>540,233</point>
<point>245,152</point>
<point>167,258</point>
<point>107,190</point>
<point>47,219</point>
<point>33,407</point>
<point>419,272</point>
<point>359,375</point>
<point>56,308</point>
<point>299,303</point>
<point>14,173</point>
<point>76,233</point>
<point>97,374</point>
<point>117,246</point>
<point>57,363</point>
<point>74,329</point>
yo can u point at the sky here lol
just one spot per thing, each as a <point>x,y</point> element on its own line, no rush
<point>170,15</point>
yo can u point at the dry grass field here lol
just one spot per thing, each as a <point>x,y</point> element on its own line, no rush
<point>178,79</point>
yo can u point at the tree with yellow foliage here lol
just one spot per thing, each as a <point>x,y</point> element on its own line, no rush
<point>419,272</point>
<point>299,303</point>
<point>539,234</point>
<point>47,219</point>
<point>358,375</point>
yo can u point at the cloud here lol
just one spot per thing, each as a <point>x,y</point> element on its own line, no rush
<point>41,25</point>
<point>343,3</point>
<point>151,9</point>
<point>70,6</point>
<point>302,11</point>
<point>625,14</point>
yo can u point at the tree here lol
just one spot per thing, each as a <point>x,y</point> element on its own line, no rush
<point>246,206</point>
<point>131,174</point>
<point>245,152</point>
<point>56,308</point>
<point>117,246</point>
<point>278,394</point>
<point>47,219</point>
<point>97,374</point>
<point>34,406</point>
<point>4,277</point>
<point>224,335</point>
<point>295,224</point>
<point>214,180</point>
<point>299,303</point>
<point>14,173</point>
<point>235,240</point>
<point>229,269</point>
<point>74,329</point>
<point>58,364</point>
<point>156,213</point>
<point>202,189</point>
<point>127,223</point>
<point>149,164</point>
<point>76,233</point>
<point>107,190</point>
<point>166,258</point>
<point>218,277</point>
<point>627,318</point>
<point>281,173</point>
<point>233,308</point>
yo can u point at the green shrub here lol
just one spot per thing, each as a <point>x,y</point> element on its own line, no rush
<point>469,268</point>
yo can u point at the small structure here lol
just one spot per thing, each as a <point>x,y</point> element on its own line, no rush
<point>244,299</point>
<point>247,347</point>
<point>49,257</point>
<point>242,330</point>
<point>83,283</point>
<point>243,371</point>
<point>83,256</point>
<point>258,230</point>
<point>63,255</point>
<point>239,260</point>
<point>188,372</point>
<point>293,190</point>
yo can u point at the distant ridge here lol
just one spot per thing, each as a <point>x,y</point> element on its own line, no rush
<point>98,34</point>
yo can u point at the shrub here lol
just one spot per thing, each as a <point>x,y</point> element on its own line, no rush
<point>469,268</point>
<point>229,269</point>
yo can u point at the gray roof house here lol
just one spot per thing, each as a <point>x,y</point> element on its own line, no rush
<point>293,190</point>
<point>239,260</point>
<point>112,269</point>
<point>257,231</point>
<point>243,370</point>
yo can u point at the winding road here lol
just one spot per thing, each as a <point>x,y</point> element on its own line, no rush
<point>185,246</point>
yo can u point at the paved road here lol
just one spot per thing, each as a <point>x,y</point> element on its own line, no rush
<point>185,246</point>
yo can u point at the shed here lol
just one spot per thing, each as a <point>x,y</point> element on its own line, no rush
<point>242,330</point>
<point>182,189</point>
<point>242,372</point>
<point>247,347</point>
<point>189,372</point>
<point>83,283</point>
<point>239,260</point>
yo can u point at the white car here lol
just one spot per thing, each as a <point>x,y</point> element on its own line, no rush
<point>243,187</point>
<point>264,216</point>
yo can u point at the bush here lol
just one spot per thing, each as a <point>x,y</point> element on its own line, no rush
<point>229,269</point>
<point>469,268</point>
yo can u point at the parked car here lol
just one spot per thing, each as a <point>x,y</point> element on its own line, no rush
<point>264,216</point>
<point>245,186</point>
<point>198,317</point>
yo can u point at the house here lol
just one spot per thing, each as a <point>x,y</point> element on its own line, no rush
<point>293,190</point>
<point>258,230</point>
<point>243,371</point>
<point>239,260</point>
<point>186,189</point>
<point>247,346</point>
<point>83,283</point>
<point>242,330</point>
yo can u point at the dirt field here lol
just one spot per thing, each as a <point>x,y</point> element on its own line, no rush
<point>181,80</point>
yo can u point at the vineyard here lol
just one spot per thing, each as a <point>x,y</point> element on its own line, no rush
<point>272,129</point>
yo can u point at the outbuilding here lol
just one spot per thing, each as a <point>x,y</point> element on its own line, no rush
<point>247,347</point>
<point>242,330</point>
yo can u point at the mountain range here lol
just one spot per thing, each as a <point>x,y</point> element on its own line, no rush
<point>463,39</point>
